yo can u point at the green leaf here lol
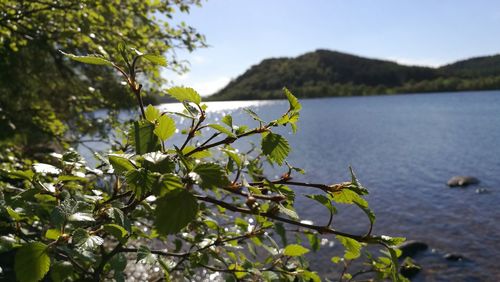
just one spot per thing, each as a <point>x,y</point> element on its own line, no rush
<point>152,113</point>
<point>275,147</point>
<point>347,276</point>
<point>118,263</point>
<point>212,224</point>
<point>294,117</point>
<point>188,164</point>
<point>313,241</point>
<point>143,137</point>
<point>120,163</point>
<point>294,250</point>
<point>346,196</point>
<point>234,156</point>
<point>292,100</point>
<point>158,162</point>
<point>60,271</point>
<point>19,174</point>
<point>58,217</point>
<point>89,59</point>
<point>336,259</point>
<point>283,120</point>
<point>156,59</point>
<point>46,169</point>
<point>140,181</point>
<point>311,276</point>
<point>289,212</point>
<point>185,94</point>
<point>253,114</point>
<point>67,178</point>
<point>240,129</point>
<point>174,211</point>
<point>280,229</point>
<point>193,111</point>
<point>352,247</point>
<point>228,120</point>
<point>324,201</point>
<point>122,49</point>
<point>395,266</point>
<point>238,270</point>
<point>84,241</point>
<point>116,230</point>
<point>211,175</point>
<point>197,155</point>
<point>392,241</point>
<point>13,214</point>
<point>81,216</point>
<point>240,222</point>
<point>168,183</point>
<point>222,129</point>
<point>369,213</point>
<point>355,185</point>
<point>165,128</point>
<point>271,276</point>
<point>52,234</point>
<point>166,269</point>
<point>31,262</point>
<point>119,217</point>
<point>144,255</point>
<point>281,189</point>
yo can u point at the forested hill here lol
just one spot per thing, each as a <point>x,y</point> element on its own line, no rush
<point>325,73</point>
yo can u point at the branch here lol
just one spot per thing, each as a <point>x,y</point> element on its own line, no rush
<point>73,261</point>
<point>105,258</point>
<point>323,187</point>
<point>156,252</point>
<point>318,228</point>
<point>226,141</point>
<point>218,241</point>
<point>194,128</point>
<point>116,197</point>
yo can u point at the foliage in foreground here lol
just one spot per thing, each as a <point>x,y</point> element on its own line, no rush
<point>43,97</point>
<point>200,207</point>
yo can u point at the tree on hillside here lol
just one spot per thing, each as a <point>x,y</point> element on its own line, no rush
<point>42,94</point>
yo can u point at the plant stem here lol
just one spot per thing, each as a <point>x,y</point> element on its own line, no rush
<point>320,229</point>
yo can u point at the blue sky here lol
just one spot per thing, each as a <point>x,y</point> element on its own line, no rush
<point>424,32</point>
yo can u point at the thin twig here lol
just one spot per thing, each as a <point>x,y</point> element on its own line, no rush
<point>320,229</point>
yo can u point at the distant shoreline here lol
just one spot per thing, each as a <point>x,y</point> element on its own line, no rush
<point>326,73</point>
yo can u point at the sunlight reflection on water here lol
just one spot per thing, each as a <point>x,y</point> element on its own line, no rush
<point>219,106</point>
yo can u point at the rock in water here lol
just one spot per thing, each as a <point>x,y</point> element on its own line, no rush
<point>482,191</point>
<point>462,181</point>
<point>453,257</point>
<point>411,248</point>
<point>409,268</point>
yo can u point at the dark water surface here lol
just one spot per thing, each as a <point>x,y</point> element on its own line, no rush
<point>404,148</point>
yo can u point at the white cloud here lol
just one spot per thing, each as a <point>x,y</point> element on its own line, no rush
<point>210,86</point>
<point>205,86</point>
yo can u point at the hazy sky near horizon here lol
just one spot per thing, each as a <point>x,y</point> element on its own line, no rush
<point>424,32</point>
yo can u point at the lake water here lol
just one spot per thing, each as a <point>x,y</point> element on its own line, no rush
<point>403,148</point>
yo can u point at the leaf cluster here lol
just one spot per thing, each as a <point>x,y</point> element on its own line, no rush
<point>46,97</point>
<point>209,206</point>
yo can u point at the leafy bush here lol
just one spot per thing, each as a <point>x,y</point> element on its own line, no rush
<point>198,208</point>
<point>44,97</point>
